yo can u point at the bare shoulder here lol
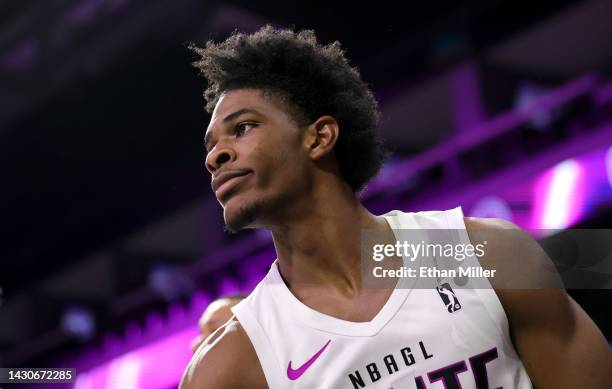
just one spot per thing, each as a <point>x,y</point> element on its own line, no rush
<point>547,327</point>
<point>519,261</point>
<point>217,361</point>
<point>526,281</point>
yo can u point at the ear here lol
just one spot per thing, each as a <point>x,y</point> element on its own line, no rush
<point>321,137</point>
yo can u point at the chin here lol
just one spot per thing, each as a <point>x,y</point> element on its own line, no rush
<point>239,215</point>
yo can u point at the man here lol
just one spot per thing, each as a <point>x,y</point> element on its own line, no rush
<point>214,316</point>
<point>292,139</point>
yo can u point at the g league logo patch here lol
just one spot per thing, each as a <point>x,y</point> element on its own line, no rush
<point>448,297</point>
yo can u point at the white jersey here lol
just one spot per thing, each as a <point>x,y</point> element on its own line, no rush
<point>416,341</point>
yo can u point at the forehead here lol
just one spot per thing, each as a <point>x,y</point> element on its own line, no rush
<point>235,100</point>
<point>263,102</point>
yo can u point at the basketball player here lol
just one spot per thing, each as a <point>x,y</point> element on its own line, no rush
<point>292,139</point>
<point>214,316</point>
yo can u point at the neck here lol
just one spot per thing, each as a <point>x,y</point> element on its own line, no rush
<point>321,243</point>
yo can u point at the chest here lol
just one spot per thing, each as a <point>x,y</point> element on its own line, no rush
<point>423,346</point>
<point>362,308</point>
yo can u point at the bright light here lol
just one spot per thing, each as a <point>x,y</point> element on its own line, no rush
<point>559,196</point>
<point>124,372</point>
<point>84,382</point>
<point>158,365</point>
<point>609,165</point>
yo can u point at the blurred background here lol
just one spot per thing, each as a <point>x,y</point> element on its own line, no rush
<point>112,242</point>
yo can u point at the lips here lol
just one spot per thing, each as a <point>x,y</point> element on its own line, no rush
<point>225,180</point>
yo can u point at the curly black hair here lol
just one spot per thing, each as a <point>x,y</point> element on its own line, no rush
<point>311,80</point>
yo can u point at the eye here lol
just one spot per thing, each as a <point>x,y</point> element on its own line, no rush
<point>244,127</point>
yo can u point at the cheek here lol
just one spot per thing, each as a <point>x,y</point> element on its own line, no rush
<point>279,163</point>
<point>283,164</point>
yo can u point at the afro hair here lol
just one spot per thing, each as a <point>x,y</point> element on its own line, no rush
<point>311,79</point>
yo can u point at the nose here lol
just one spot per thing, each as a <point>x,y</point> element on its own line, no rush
<point>219,156</point>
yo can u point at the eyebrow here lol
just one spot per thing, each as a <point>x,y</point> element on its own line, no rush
<point>228,118</point>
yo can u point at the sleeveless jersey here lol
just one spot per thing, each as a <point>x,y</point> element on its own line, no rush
<point>422,338</point>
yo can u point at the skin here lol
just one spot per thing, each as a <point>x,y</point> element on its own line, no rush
<point>557,341</point>
<point>214,316</point>
<point>294,189</point>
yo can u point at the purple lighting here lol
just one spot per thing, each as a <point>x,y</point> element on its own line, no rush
<point>569,186</point>
<point>553,188</point>
<point>229,286</point>
<point>609,165</point>
<point>495,127</point>
<point>558,196</point>
<point>158,365</point>
<point>492,206</point>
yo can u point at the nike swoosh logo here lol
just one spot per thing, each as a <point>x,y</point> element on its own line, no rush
<point>294,374</point>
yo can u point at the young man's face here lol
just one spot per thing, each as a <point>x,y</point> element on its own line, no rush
<point>255,156</point>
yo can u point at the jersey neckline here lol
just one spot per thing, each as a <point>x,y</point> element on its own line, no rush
<point>321,321</point>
